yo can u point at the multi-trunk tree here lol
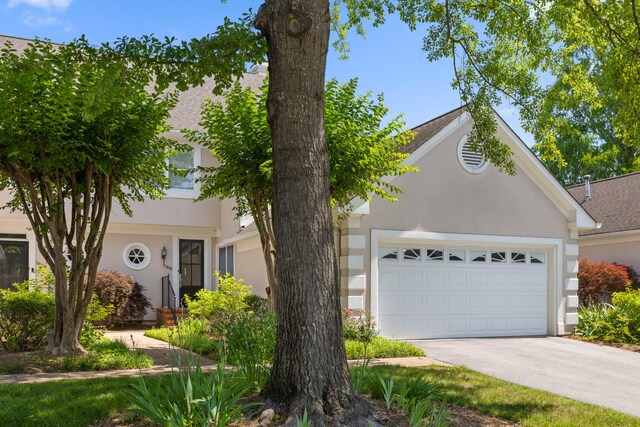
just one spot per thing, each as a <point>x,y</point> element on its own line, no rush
<point>79,127</point>
<point>362,152</point>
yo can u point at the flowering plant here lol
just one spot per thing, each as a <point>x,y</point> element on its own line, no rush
<point>358,326</point>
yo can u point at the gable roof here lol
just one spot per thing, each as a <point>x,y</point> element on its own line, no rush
<point>614,202</point>
<point>186,114</point>
<point>431,133</point>
<point>19,43</point>
<point>428,129</point>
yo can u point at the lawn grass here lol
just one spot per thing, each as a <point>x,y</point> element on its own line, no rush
<point>523,405</point>
<point>71,403</point>
<point>380,348</point>
<point>79,403</point>
<point>198,342</point>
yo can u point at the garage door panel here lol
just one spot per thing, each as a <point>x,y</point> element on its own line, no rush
<point>440,299</point>
<point>397,303</point>
<point>499,279</point>
<point>457,280</point>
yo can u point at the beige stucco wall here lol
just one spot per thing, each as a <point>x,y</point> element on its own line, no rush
<point>151,276</point>
<point>251,268</point>
<point>619,252</point>
<point>175,211</point>
<point>444,197</point>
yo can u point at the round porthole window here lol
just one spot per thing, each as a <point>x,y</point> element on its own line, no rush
<point>471,161</point>
<point>136,256</point>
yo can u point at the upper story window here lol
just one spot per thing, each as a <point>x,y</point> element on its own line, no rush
<point>182,162</point>
<point>180,185</point>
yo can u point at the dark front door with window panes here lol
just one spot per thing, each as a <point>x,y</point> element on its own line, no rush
<point>191,267</point>
<point>14,265</point>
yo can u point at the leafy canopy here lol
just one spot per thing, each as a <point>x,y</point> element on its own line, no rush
<point>362,150</point>
<point>72,112</point>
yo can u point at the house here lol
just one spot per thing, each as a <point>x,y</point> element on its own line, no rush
<point>615,203</point>
<point>167,245</point>
<point>467,251</point>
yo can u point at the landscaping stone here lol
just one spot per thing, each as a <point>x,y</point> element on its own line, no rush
<point>266,417</point>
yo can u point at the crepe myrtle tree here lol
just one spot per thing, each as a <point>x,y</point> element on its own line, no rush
<point>362,151</point>
<point>79,127</point>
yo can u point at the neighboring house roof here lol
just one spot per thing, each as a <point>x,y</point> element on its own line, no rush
<point>186,115</point>
<point>19,44</point>
<point>427,130</point>
<point>614,202</point>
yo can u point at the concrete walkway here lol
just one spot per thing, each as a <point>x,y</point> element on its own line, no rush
<point>599,375</point>
<point>164,357</point>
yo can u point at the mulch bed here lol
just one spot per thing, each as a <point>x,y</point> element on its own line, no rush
<point>29,363</point>
<point>623,346</point>
<point>461,417</point>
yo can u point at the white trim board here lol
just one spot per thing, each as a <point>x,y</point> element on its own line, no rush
<point>628,236</point>
<point>553,247</point>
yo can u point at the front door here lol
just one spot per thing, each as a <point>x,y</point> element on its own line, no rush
<point>191,267</point>
<point>14,265</point>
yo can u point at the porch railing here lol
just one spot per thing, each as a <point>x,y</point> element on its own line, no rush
<point>169,298</point>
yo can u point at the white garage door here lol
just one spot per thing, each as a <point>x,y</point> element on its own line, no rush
<point>436,292</point>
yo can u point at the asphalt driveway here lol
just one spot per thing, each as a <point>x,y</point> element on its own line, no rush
<point>603,376</point>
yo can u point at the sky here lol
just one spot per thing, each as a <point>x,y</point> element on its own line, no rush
<point>389,61</point>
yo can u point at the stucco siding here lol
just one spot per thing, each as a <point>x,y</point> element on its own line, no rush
<point>149,277</point>
<point>444,197</point>
<point>622,253</point>
<point>251,268</point>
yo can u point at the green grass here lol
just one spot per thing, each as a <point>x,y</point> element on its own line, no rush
<point>196,341</point>
<point>103,355</point>
<point>381,348</point>
<point>523,405</point>
<point>201,344</point>
<point>79,403</point>
<point>76,403</point>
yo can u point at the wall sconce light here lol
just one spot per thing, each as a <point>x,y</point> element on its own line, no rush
<point>163,254</point>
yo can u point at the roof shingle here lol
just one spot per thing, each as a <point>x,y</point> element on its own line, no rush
<point>427,130</point>
<point>615,203</point>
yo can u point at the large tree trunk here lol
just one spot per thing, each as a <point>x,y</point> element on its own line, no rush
<point>310,368</point>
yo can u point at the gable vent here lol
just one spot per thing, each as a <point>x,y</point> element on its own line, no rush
<point>470,160</point>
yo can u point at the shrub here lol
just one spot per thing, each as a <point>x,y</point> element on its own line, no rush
<point>190,334</point>
<point>628,303</point>
<point>217,307</point>
<point>25,317</point>
<point>598,280</point>
<point>617,323</point>
<point>358,326</point>
<point>251,340</point>
<point>124,294</point>
<point>256,304</point>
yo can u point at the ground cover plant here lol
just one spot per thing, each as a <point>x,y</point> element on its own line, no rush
<point>103,354</point>
<point>192,334</point>
<point>95,400</point>
<point>618,322</point>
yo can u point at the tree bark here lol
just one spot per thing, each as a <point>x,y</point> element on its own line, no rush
<point>264,224</point>
<point>310,367</point>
